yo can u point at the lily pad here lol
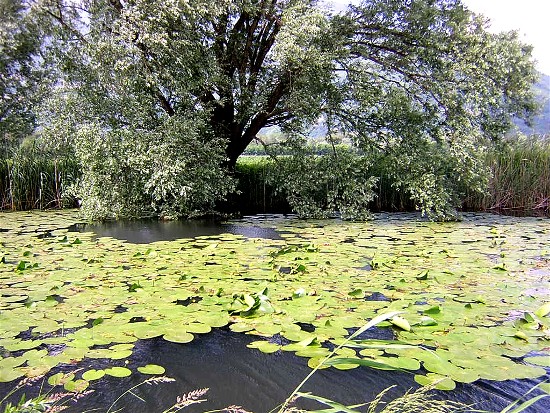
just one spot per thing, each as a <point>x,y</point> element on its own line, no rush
<point>401,323</point>
<point>436,380</point>
<point>76,386</point>
<point>118,372</point>
<point>539,360</point>
<point>179,337</point>
<point>98,297</point>
<point>151,369</point>
<point>59,379</point>
<point>93,374</point>
<point>8,374</point>
<point>264,346</point>
<point>543,310</point>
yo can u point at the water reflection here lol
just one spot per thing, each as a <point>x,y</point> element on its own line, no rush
<point>147,231</point>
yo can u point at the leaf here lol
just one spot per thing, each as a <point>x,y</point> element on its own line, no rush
<point>59,379</point>
<point>521,335</point>
<point>436,380</point>
<point>401,323</point>
<point>8,374</point>
<point>543,310</point>
<point>376,320</point>
<point>337,407</point>
<point>198,328</point>
<point>265,346</point>
<point>523,407</point>
<point>433,310</point>
<point>357,293</point>
<point>423,275</point>
<point>77,386</point>
<point>22,266</point>
<point>179,337</point>
<point>377,364</point>
<point>93,374</point>
<point>151,369</point>
<point>118,372</point>
<point>545,387</point>
<point>249,301</point>
<point>134,287</point>
<point>539,360</point>
<point>427,321</point>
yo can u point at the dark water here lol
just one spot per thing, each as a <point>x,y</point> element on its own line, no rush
<point>146,231</point>
<point>237,375</point>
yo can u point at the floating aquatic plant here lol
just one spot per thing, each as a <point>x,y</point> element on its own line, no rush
<point>472,296</point>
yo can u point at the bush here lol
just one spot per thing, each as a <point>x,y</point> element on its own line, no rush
<point>130,173</point>
<point>320,186</point>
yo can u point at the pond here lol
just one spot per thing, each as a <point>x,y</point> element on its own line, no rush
<point>244,307</point>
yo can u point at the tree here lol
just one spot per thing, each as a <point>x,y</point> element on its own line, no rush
<point>22,71</point>
<point>417,83</point>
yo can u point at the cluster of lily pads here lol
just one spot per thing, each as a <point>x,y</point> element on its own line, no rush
<point>472,296</point>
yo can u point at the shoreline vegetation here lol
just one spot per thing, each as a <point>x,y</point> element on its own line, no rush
<point>519,182</point>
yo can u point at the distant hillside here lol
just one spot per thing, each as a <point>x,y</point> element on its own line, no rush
<point>541,123</point>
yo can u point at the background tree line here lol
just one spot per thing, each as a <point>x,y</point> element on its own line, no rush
<point>156,100</point>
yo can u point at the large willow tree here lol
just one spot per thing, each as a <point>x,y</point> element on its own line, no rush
<point>160,97</point>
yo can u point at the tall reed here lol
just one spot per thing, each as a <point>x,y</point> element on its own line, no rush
<point>31,179</point>
<point>520,177</point>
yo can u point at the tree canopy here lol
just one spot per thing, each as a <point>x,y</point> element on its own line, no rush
<point>22,71</point>
<point>168,94</point>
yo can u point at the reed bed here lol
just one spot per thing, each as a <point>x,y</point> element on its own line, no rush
<point>520,182</point>
<point>32,180</point>
<point>520,178</point>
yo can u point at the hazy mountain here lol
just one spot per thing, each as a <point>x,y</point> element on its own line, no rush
<point>541,123</point>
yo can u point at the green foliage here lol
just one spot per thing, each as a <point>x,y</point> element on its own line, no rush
<point>421,84</point>
<point>156,178</point>
<point>509,175</point>
<point>319,186</point>
<point>429,107</point>
<point>35,405</point>
<point>23,71</point>
<point>254,193</point>
<point>32,177</point>
<point>437,175</point>
<point>43,402</point>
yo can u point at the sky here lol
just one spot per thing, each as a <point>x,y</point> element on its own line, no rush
<point>530,17</point>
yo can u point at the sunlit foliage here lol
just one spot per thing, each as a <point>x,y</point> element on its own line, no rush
<point>419,83</point>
